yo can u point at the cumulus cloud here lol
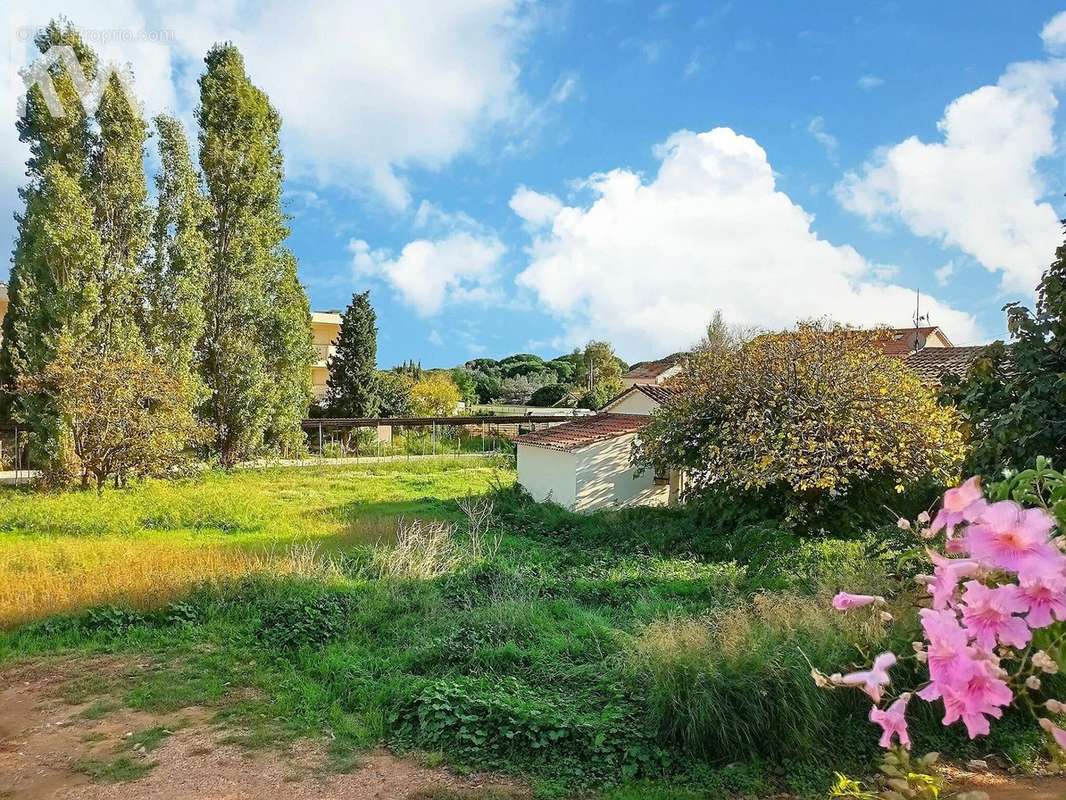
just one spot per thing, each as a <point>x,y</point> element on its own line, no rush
<point>645,263</point>
<point>1054,33</point>
<point>366,90</point>
<point>428,273</point>
<point>978,188</point>
<point>816,128</point>
<point>534,208</point>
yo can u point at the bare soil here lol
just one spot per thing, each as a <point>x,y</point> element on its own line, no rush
<point>49,744</point>
<point>46,744</point>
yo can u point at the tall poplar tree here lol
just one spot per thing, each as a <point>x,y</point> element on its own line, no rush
<point>58,256</point>
<point>353,389</point>
<point>253,300</point>
<point>176,273</point>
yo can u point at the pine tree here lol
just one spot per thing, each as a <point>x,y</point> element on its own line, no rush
<point>252,294</point>
<point>58,253</point>
<point>353,384</point>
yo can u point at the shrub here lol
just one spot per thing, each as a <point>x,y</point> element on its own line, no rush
<point>310,619</point>
<point>811,414</point>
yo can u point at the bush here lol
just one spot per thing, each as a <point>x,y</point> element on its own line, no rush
<point>811,415</point>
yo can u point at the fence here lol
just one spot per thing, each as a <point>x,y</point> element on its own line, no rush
<point>419,436</point>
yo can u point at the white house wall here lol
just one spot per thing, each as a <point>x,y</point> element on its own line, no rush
<point>548,474</point>
<point>633,403</point>
<point>605,477</point>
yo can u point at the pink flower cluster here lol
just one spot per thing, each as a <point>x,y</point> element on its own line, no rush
<point>998,576</point>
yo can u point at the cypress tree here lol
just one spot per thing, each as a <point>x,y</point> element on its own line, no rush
<point>252,294</point>
<point>353,389</point>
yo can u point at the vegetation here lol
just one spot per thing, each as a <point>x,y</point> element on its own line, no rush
<point>200,286</point>
<point>644,647</point>
<point>436,395</point>
<point>806,416</point>
<point>353,384</point>
<point>1013,400</point>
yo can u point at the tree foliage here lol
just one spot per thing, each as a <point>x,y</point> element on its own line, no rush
<point>394,394</point>
<point>436,395</point>
<point>352,384</point>
<point>1013,400</point>
<point>122,414</point>
<point>808,412</point>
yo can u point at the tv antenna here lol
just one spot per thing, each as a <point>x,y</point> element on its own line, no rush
<point>919,318</point>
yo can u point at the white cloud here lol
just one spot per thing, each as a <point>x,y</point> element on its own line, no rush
<point>534,208</point>
<point>816,128</point>
<point>427,274</point>
<point>1054,33</point>
<point>645,263</point>
<point>978,188</point>
<point>435,338</point>
<point>945,273</point>
<point>868,82</point>
<point>366,90</point>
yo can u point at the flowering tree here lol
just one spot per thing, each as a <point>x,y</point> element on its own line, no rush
<point>992,619</point>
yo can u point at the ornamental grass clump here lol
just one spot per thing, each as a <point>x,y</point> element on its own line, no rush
<point>993,619</point>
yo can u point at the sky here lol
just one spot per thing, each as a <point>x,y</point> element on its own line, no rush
<point>509,176</point>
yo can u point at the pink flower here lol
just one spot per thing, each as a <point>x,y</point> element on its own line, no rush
<point>961,504</point>
<point>947,574</point>
<point>845,602</point>
<point>988,615</point>
<point>1012,538</point>
<point>871,680</point>
<point>977,699</point>
<point>949,655</point>
<point>1057,733</point>
<point>892,722</point>
<point>1046,598</point>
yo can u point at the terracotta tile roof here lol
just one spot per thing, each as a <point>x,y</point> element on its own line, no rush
<point>656,391</point>
<point>653,369</point>
<point>900,341</point>
<point>585,431</point>
<point>932,363</point>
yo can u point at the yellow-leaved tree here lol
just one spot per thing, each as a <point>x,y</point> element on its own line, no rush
<point>808,413</point>
<point>436,395</point>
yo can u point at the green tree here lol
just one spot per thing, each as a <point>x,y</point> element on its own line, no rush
<point>466,380</point>
<point>119,194</point>
<point>353,382</point>
<point>176,274</point>
<point>252,300</point>
<point>58,253</point>
<point>1013,400</point>
<point>394,390</point>
<point>599,372</point>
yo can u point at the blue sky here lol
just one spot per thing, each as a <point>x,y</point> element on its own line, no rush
<point>508,176</point>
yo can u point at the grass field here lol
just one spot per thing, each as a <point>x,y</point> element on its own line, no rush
<point>639,653</point>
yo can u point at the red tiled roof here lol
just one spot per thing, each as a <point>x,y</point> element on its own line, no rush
<point>585,431</point>
<point>900,341</point>
<point>653,369</point>
<point>933,363</point>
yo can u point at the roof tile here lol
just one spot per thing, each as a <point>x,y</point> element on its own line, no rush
<point>585,431</point>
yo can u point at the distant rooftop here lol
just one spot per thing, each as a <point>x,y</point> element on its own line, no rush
<point>653,369</point>
<point>585,431</point>
<point>933,363</point>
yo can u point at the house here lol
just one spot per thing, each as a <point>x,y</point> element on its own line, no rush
<point>901,341</point>
<point>325,328</point>
<point>585,464</point>
<point>933,363</point>
<point>653,372</point>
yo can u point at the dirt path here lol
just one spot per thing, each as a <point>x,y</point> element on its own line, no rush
<point>50,748</point>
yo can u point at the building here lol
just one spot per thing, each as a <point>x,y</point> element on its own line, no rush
<point>933,363</point>
<point>325,328</point>
<point>585,465</point>
<point>653,372</point>
<point>901,341</point>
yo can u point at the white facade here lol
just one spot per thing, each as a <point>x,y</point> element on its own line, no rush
<point>632,403</point>
<point>605,477</point>
<point>548,475</point>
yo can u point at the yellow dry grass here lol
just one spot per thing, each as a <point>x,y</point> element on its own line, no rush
<point>60,575</point>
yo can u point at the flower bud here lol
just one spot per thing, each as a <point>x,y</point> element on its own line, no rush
<point>923,518</point>
<point>903,524</point>
<point>1033,682</point>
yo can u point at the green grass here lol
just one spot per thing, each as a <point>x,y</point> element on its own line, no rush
<point>119,770</point>
<point>639,653</point>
